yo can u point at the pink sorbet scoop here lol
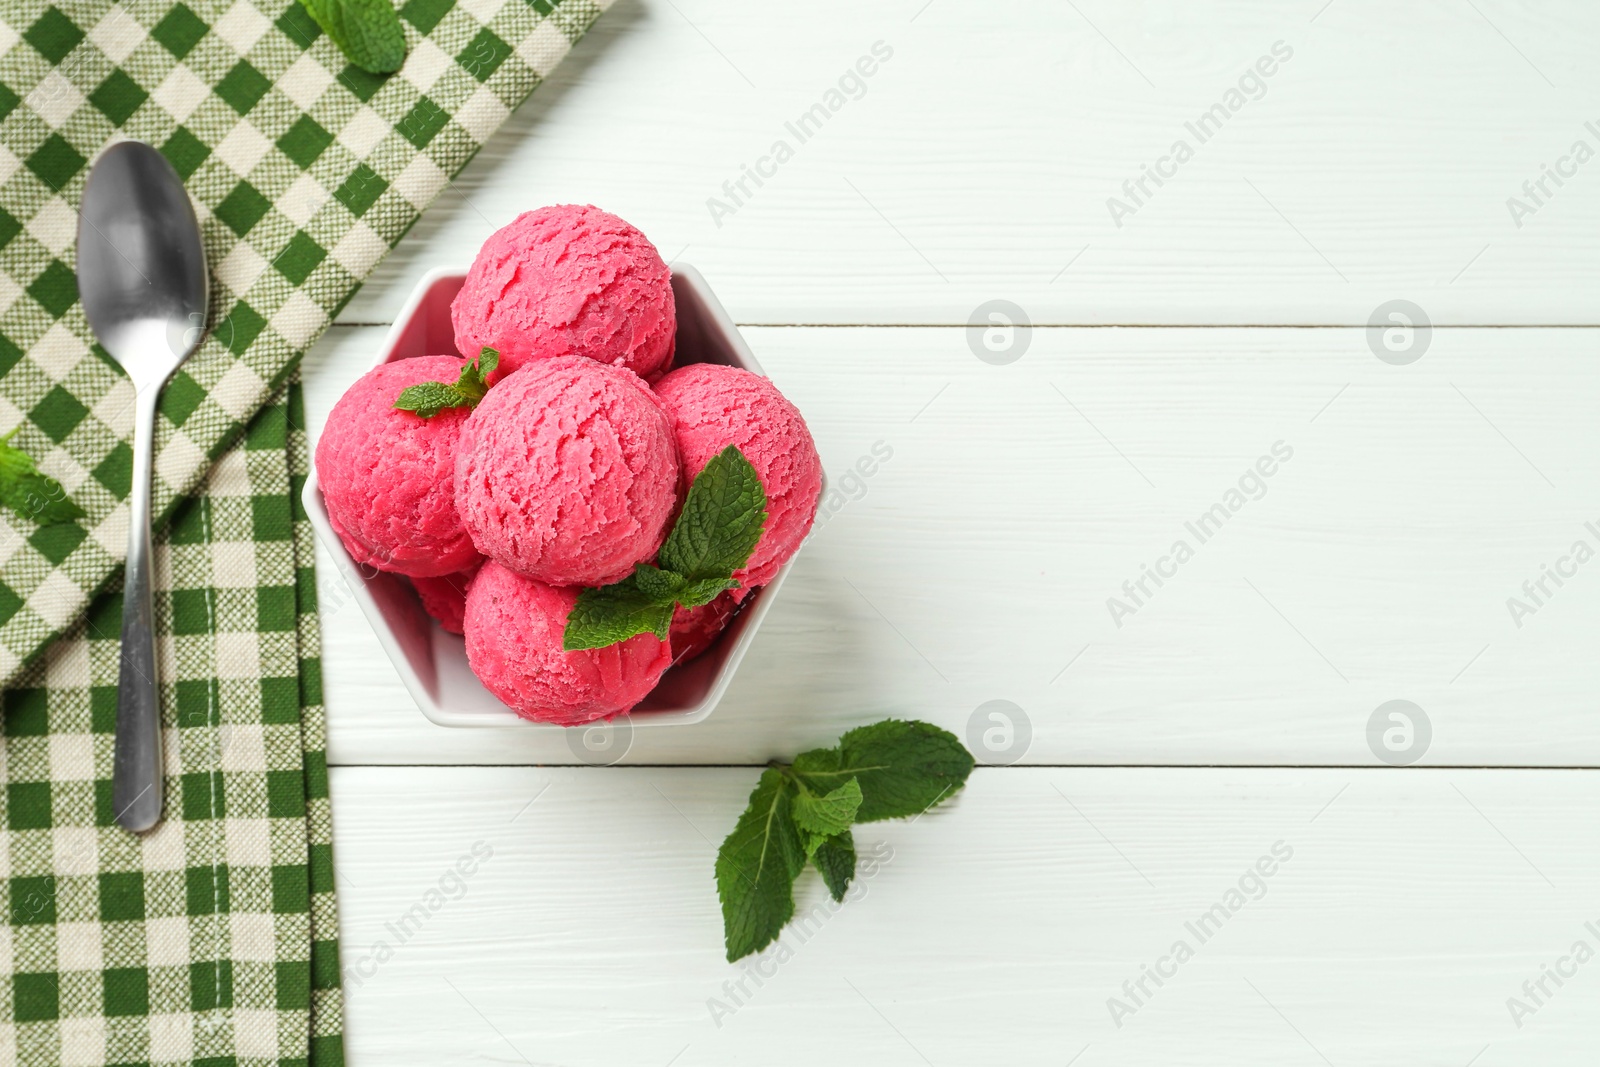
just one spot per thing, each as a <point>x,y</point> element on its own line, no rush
<point>445,597</point>
<point>567,472</point>
<point>514,627</point>
<point>568,280</point>
<point>695,630</point>
<point>712,407</point>
<point>386,474</point>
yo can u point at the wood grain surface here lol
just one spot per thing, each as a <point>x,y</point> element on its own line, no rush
<point>1403,909</point>
<point>1342,351</point>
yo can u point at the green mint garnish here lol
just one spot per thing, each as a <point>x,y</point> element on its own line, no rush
<point>617,612</point>
<point>716,531</point>
<point>721,520</point>
<point>757,866</point>
<point>30,494</point>
<point>835,858</point>
<point>661,587</point>
<point>904,767</point>
<point>831,813</point>
<point>427,399</point>
<point>368,32</point>
<point>802,812</point>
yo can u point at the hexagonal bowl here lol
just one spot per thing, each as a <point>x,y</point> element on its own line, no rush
<point>433,663</point>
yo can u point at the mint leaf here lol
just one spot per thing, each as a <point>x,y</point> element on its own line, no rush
<point>661,586</point>
<point>704,591</point>
<point>834,857</point>
<point>831,813</point>
<point>30,494</point>
<point>615,613</point>
<point>757,866</point>
<point>368,32</point>
<point>721,520</point>
<point>903,767</point>
<point>427,399</point>
<point>472,382</point>
<point>46,502</point>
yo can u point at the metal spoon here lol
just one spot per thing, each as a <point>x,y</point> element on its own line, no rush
<point>142,278</point>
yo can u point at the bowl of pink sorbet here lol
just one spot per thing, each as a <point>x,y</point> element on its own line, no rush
<point>431,662</point>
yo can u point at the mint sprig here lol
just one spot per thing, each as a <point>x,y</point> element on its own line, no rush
<point>29,493</point>
<point>802,812</point>
<point>716,531</point>
<point>368,32</point>
<point>427,399</point>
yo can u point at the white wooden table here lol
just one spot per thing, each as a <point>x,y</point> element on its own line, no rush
<point>1172,741</point>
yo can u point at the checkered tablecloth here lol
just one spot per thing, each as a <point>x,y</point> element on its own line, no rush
<point>212,939</point>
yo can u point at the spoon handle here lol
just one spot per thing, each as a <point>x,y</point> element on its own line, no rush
<point>136,770</point>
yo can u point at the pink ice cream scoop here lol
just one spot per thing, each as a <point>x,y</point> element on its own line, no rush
<point>386,474</point>
<point>567,472</point>
<point>712,407</point>
<point>696,629</point>
<point>445,597</point>
<point>568,280</point>
<point>514,628</point>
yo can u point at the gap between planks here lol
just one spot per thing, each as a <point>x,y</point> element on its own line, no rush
<point>1011,767</point>
<point>1102,326</point>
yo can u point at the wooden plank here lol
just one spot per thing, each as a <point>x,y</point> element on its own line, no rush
<point>1401,912</point>
<point>976,562</point>
<point>1378,161</point>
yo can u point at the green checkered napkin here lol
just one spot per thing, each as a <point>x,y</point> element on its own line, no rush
<point>213,939</point>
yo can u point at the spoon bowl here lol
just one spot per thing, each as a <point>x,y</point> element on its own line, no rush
<point>144,286</point>
<point>141,267</point>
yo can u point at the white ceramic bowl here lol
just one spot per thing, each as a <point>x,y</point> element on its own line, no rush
<point>432,663</point>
